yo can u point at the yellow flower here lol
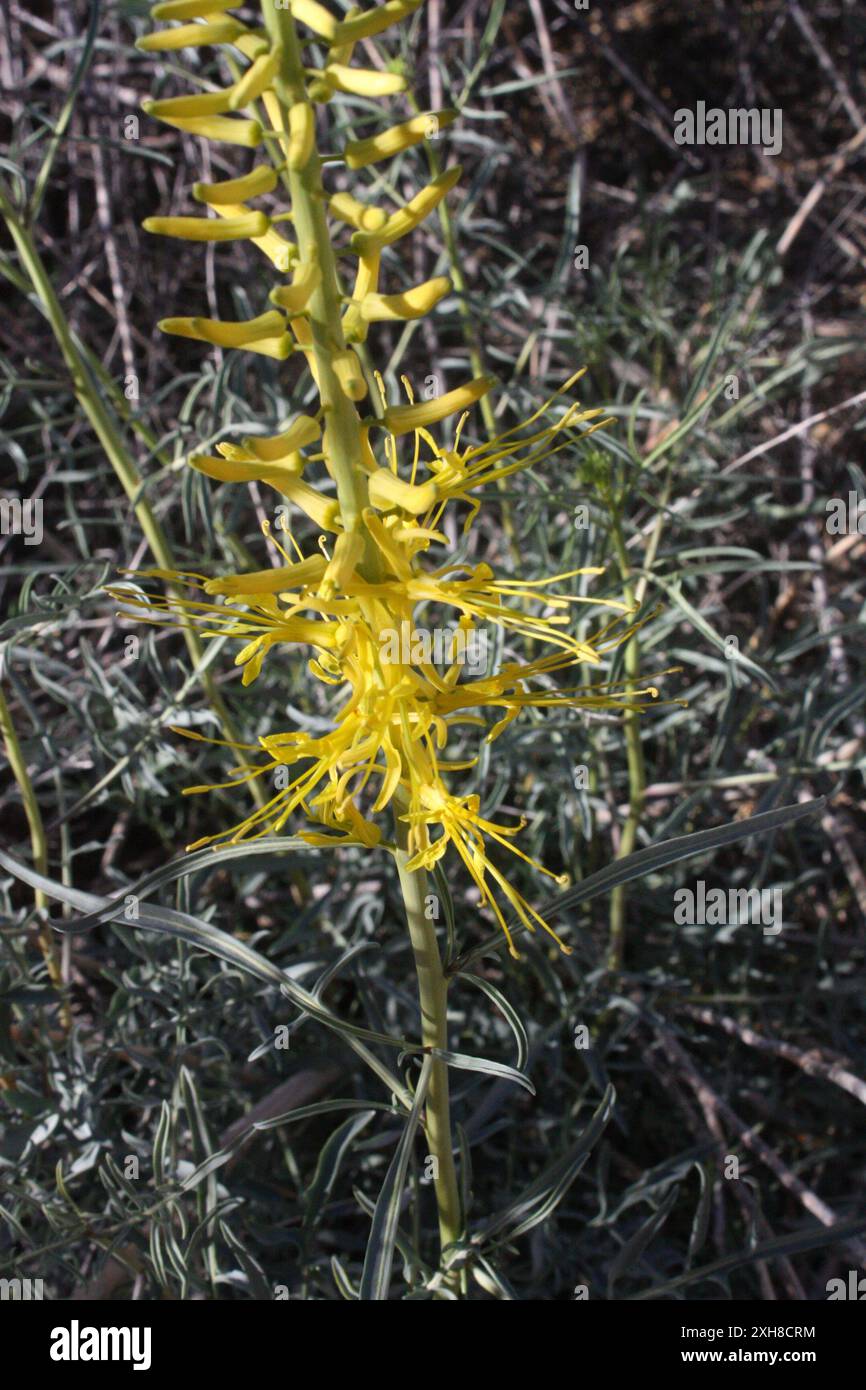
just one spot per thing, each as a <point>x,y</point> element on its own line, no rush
<point>401,708</point>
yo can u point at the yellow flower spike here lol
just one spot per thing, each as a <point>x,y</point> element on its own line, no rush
<point>191,9</point>
<point>364,82</point>
<point>348,372</point>
<point>192,36</point>
<point>198,104</point>
<point>370,22</point>
<point>262,179</point>
<point>316,17</point>
<point>400,419</point>
<point>279,252</point>
<point>304,430</point>
<point>295,297</point>
<point>359,153</point>
<point>271,581</point>
<point>388,492</point>
<point>228,130</point>
<point>407,218</point>
<point>357,214</point>
<point>252,224</point>
<point>302,134</point>
<point>257,79</point>
<point>224,334</point>
<point>411,304</point>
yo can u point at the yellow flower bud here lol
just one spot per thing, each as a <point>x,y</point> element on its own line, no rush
<point>349,374</point>
<point>324,511</point>
<point>399,419</point>
<point>407,218</point>
<point>357,214</point>
<point>262,179</point>
<point>231,130</point>
<point>302,132</point>
<point>363,26</point>
<point>304,430</point>
<point>281,253</point>
<point>191,9</point>
<point>316,17</point>
<point>257,79</point>
<point>191,36</point>
<point>364,82</point>
<point>270,581</point>
<point>387,491</point>
<point>366,280</point>
<point>348,551</point>
<point>359,153</point>
<point>251,224</point>
<point>246,333</point>
<point>230,470</point>
<point>198,104</point>
<point>295,297</point>
<point>411,304</point>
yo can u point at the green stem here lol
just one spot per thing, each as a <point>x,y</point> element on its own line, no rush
<point>39,845</point>
<point>343,426</point>
<point>636,768</point>
<point>433,997</point>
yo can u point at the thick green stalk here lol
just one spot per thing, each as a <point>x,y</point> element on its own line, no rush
<point>433,996</point>
<point>343,426</point>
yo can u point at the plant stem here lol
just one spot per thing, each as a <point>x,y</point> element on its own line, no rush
<point>433,997</point>
<point>636,769</point>
<point>39,844</point>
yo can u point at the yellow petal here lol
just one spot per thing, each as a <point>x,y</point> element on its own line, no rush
<point>280,252</point>
<point>362,26</point>
<point>325,511</point>
<point>304,430</point>
<point>257,79</point>
<point>302,132</point>
<point>388,491</point>
<point>399,419</point>
<point>225,470</point>
<point>251,224</point>
<point>364,82</point>
<point>316,17</point>
<point>411,304</point>
<point>356,213</point>
<point>406,219</point>
<point>262,179</point>
<point>349,374</point>
<point>270,581</point>
<point>191,9</point>
<point>225,334</point>
<point>359,153</point>
<point>230,130</point>
<point>191,36</point>
<point>348,551</point>
<point>197,104</point>
<point>295,297</point>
